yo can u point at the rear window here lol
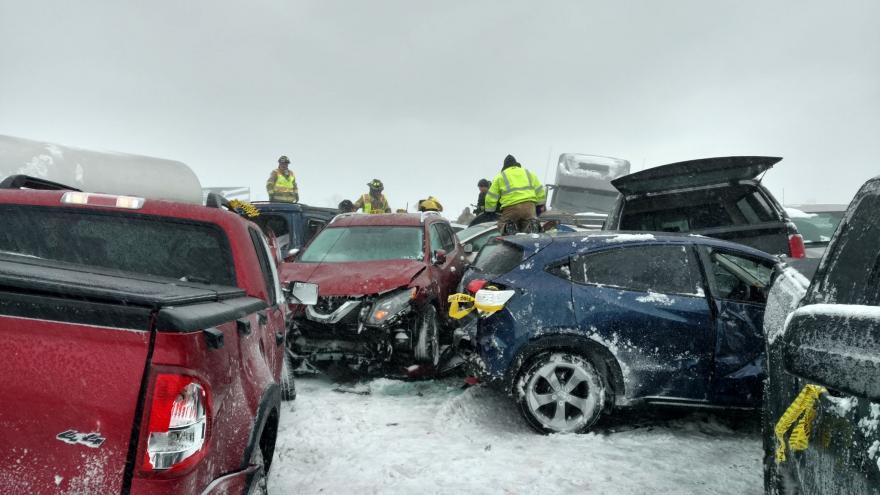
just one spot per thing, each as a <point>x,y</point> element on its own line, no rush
<point>498,257</point>
<point>189,251</point>
<point>698,210</point>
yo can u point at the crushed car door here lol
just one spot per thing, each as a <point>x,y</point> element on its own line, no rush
<point>739,285</point>
<point>647,305</point>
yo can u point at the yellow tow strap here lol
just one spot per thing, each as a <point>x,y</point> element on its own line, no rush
<point>803,411</point>
<point>456,312</point>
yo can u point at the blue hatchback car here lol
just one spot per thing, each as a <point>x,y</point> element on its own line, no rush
<point>608,319</point>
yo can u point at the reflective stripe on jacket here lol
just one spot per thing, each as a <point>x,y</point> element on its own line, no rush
<point>367,200</point>
<point>514,185</point>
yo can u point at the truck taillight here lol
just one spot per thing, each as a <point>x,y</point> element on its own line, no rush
<point>796,246</point>
<point>178,425</point>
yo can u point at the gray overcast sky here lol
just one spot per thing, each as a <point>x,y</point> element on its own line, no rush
<point>430,96</point>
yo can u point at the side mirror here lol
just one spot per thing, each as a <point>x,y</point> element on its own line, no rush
<point>439,257</point>
<point>291,255</point>
<point>468,248</point>
<point>835,348</point>
<point>302,293</point>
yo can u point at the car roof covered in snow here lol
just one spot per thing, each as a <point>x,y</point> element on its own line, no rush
<point>569,241</point>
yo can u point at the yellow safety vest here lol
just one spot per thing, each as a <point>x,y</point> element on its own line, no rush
<point>285,188</point>
<point>367,200</point>
<point>514,185</point>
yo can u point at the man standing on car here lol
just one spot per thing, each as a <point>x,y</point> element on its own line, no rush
<point>483,186</point>
<point>517,192</point>
<point>281,185</point>
<point>374,201</point>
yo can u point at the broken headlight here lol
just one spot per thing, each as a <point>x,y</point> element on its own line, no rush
<point>390,306</point>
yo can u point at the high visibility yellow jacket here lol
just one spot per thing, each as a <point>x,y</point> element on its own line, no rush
<point>282,188</point>
<point>369,204</point>
<point>514,185</point>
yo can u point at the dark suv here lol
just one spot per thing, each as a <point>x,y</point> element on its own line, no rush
<point>293,224</point>
<point>385,280</point>
<point>717,197</point>
<point>822,396</point>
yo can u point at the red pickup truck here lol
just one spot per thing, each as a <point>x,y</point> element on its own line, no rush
<point>141,345</point>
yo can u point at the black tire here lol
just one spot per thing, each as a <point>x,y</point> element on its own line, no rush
<point>258,484</point>
<point>560,392</point>
<point>288,385</point>
<point>426,348</point>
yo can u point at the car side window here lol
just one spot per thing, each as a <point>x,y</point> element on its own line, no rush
<point>739,278</point>
<point>447,237</point>
<point>436,239</point>
<point>852,271</point>
<point>267,267</point>
<point>669,269</point>
<point>277,224</point>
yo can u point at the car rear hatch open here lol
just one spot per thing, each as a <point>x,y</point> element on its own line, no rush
<point>694,173</point>
<point>74,347</point>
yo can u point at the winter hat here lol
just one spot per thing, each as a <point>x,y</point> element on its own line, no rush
<point>509,161</point>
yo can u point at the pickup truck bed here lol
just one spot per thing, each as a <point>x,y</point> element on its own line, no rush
<point>118,377</point>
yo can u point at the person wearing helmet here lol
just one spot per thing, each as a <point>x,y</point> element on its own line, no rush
<point>346,206</point>
<point>374,201</point>
<point>516,192</point>
<point>483,186</point>
<point>430,204</point>
<point>281,185</point>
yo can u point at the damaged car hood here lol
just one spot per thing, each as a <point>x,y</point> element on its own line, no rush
<point>694,173</point>
<point>355,278</point>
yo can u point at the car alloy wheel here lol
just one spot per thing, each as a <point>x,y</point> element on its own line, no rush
<point>561,392</point>
<point>427,348</point>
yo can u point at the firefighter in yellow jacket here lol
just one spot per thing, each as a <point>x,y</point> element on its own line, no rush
<point>517,193</point>
<point>281,185</point>
<point>374,201</point>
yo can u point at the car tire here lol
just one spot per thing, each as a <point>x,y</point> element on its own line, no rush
<point>427,339</point>
<point>560,392</point>
<point>258,483</point>
<point>288,385</point>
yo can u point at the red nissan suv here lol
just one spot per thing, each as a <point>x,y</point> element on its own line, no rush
<point>384,282</point>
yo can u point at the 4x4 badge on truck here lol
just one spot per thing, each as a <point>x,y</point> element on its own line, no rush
<point>93,440</point>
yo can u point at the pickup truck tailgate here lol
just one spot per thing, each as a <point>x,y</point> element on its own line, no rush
<point>68,395</point>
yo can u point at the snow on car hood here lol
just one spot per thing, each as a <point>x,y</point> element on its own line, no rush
<point>355,278</point>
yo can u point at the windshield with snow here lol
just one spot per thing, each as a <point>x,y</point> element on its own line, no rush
<point>188,251</point>
<point>345,244</point>
<point>817,228</point>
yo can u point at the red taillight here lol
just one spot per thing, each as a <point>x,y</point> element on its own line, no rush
<point>474,285</point>
<point>796,246</point>
<point>178,426</point>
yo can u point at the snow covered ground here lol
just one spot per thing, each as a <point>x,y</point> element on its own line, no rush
<point>434,437</point>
